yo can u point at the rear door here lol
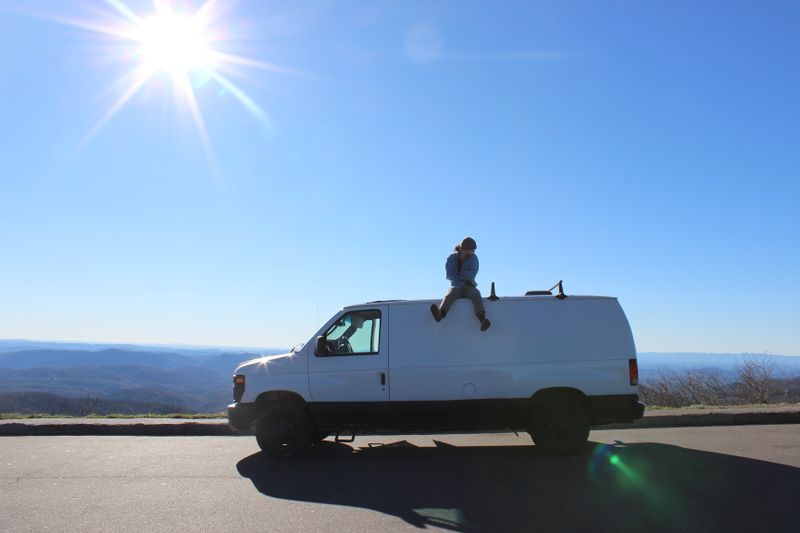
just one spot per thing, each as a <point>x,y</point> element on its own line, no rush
<point>355,365</point>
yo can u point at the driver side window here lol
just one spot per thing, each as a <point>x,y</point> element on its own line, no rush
<point>354,333</point>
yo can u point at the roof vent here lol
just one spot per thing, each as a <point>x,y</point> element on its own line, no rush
<point>560,295</point>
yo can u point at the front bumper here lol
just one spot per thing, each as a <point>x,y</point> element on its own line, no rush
<point>241,415</point>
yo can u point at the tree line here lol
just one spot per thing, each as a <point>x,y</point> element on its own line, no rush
<point>51,404</point>
<point>756,381</point>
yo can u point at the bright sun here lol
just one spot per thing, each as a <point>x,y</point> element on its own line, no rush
<point>176,42</point>
<point>173,43</point>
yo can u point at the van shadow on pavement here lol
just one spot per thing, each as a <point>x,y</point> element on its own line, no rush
<point>634,487</point>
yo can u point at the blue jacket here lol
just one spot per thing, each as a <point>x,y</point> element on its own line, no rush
<point>468,270</point>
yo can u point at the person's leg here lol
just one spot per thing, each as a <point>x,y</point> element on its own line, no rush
<point>475,295</point>
<point>439,311</point>
<point>452,295</point>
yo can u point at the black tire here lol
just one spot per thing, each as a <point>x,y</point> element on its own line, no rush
<point>559,426</point>
<point>285,430</point>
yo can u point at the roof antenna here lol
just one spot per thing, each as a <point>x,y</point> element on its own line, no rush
<point>493,297</point>
<point>560,286</point>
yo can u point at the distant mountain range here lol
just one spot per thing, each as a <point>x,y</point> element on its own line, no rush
<point>76,377</point>
<point>116,357</point>
<point>17,345</point>
<point>158,379</point>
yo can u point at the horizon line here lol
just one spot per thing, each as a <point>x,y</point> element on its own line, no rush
<point>224,346</point>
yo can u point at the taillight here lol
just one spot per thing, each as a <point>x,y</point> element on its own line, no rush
<point>633,371</point>
<point>238,387</point>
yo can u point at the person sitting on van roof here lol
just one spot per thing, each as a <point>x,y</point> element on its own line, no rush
<point>461,269</point>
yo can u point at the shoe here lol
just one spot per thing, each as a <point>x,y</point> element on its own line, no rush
<point>437,314</point>
<point>485,324</point>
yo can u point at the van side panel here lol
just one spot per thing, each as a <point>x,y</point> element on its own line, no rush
<point>533,343</point>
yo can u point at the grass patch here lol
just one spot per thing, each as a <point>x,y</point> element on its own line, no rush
<point>9,416</point>
<point>188,416</point>
<point>730,406</point>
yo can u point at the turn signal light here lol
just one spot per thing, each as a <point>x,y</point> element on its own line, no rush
<point>633,371</point>
<point>238,387</point>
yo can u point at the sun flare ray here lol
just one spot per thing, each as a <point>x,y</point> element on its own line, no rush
<point>133,88</point>
<point>205,11</point>
<point>118,31</point>
<point>245,100</point>
<point>232,59</point>
<point>125,11</point>
<point>185,85</point>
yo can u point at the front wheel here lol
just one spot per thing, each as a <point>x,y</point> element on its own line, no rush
<point>284,431</point>
<point>559,426</point>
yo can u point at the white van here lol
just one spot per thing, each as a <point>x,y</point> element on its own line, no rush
<point>550,365</point>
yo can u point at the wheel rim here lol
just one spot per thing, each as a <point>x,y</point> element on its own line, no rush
<point>284,434</point>
<point>558,427</point>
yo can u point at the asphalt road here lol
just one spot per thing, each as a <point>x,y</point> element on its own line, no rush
<point>743,478</point>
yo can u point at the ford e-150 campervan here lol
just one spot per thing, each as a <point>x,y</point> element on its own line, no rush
<point>550,365</point>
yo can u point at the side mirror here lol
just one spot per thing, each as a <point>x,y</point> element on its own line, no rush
<point>322,346</point>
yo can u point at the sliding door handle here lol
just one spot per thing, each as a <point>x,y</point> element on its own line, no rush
<point>383,377</point>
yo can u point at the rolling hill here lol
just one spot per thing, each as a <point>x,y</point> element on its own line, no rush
<point>190,380</point>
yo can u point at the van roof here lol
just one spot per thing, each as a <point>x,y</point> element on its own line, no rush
<point>504,298</point>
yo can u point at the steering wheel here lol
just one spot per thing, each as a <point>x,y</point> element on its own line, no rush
<point>343,345</point>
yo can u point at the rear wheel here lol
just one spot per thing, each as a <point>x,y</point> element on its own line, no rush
<point>285,430</point>
<point>559,426</point>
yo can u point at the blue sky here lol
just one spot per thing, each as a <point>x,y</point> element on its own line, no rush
<point>648,151</point>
